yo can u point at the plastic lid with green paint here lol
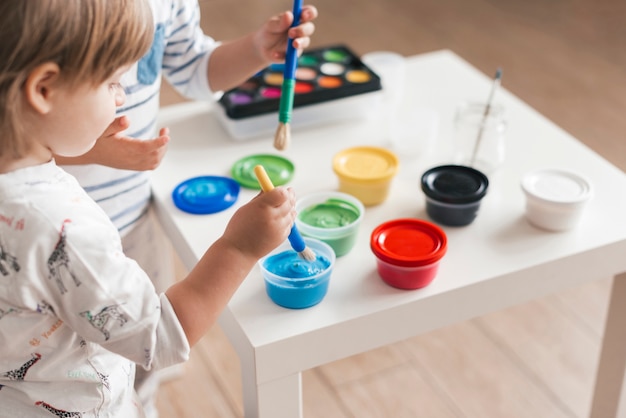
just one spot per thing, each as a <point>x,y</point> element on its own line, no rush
<point>279,169</point>
<point>365,164</point>
<point>408,242</point>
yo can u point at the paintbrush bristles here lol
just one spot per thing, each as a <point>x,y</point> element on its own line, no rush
<point>282,137</point>
<point>308,254</point>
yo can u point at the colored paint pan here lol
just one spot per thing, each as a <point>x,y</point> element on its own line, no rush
<point>323,74</point>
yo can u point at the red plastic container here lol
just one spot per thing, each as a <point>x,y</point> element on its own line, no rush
<point>408,252</point>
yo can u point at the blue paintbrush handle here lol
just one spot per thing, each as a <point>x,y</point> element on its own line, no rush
<point>291,59</point>
<point>295,239</point>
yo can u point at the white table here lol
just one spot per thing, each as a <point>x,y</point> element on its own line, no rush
<point>498,261</point>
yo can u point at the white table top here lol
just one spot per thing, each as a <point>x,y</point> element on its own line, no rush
<point>497,261</point>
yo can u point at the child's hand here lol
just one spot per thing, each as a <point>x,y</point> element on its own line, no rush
<point>118,151</point>
<point>113,149</point>
<point>263,223</point>
<point>271,39</point>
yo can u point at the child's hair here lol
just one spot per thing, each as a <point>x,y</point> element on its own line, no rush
<point>88,39</point>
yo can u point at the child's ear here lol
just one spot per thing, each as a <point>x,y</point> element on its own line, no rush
<point>39,86</point>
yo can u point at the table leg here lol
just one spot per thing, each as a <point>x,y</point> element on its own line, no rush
<point>280,398</point>
<point>612,365</point>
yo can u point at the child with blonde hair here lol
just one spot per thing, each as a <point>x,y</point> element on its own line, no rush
<point>76,314</point>
<point>116,171</point>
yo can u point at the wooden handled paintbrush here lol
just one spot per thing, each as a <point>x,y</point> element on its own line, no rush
<point>283,132</point>
<point>295,239</point>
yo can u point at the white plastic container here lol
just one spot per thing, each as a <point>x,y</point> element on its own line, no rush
<point>555,198</point>
<point>362,106</point>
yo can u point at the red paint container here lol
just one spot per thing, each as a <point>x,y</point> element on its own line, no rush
<point>408,252</point>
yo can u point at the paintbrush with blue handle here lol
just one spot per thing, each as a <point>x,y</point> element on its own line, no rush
<point>283,132</point>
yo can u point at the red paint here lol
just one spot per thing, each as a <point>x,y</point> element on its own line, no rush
<point>408,252</point>
<point>301,88</point>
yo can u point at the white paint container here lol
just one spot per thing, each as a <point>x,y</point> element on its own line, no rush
<point>555,198</point>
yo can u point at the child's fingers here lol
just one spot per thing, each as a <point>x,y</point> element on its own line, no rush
<point>155,143</point>
<point>280,23</point>
<point>278,197</point>
<point>301,43</point>
<point>309,12</point>
<point>118,125</point>
<point>302,31</point>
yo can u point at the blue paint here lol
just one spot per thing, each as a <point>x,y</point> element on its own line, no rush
<point>296,283</point>
<point>289,265</point>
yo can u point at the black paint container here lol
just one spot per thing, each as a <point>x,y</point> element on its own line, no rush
<point>453,193</point>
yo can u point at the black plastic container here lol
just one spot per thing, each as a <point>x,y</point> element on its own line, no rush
<point>323,74</point>
<point>453,193</point>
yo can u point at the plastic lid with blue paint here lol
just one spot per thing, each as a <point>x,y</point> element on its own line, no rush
<point>206,194</point>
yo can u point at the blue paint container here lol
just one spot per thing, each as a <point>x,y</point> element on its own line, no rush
<point>293,282</point>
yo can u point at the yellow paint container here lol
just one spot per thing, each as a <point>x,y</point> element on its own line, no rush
<point>366,172</point>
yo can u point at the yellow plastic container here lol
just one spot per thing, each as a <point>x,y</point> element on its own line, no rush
<point>366,172</point>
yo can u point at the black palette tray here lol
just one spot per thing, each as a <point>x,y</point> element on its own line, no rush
<point>323,74</point>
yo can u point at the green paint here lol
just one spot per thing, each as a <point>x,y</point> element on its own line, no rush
<point>307,60</point>
<point>334,218</point>
<point>335,55</point>
<point>334,213</point>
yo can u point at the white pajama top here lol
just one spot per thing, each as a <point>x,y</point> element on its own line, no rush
<point>75,313</point>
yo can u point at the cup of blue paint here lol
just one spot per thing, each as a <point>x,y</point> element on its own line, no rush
<point>293,282</point>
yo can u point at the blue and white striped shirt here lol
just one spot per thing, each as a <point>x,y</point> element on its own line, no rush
<point>180,52</point>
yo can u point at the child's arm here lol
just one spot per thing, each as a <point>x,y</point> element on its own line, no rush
<point>233,62</point>
<point>115,150</point>
<point>254,230</point>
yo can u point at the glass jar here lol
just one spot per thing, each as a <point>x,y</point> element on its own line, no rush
<point>479,139</point>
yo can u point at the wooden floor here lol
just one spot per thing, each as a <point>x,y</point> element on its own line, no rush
<point>566,58</point>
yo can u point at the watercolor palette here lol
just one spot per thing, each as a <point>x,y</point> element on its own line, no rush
<point>331,83</point>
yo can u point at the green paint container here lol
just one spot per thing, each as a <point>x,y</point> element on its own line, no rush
<point>331,217</point>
